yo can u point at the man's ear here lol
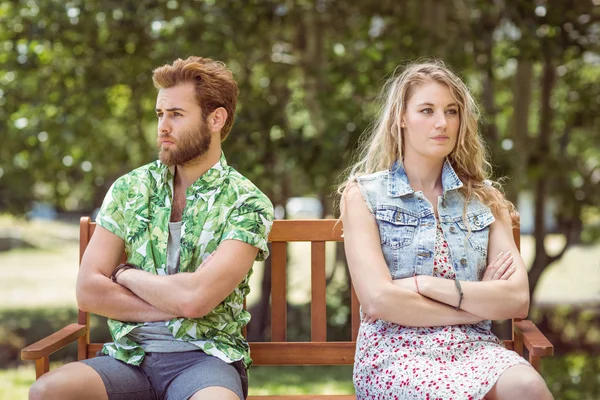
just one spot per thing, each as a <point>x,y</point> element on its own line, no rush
<point>217,119</point>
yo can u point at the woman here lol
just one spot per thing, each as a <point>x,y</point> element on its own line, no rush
<point>421,223</point>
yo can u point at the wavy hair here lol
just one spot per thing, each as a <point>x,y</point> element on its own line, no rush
<point>212,80</point>
<point>382,144</point>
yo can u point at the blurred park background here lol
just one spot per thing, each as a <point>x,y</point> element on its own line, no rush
<point>77,111</point>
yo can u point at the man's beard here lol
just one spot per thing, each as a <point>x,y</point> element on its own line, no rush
<point>191,146</point>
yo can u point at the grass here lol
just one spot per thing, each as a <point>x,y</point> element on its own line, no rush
<point>569,377</point>
<point>15,382</point>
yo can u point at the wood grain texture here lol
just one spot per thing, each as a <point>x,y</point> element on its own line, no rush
<point>318,306</point>
<point>54,342</point>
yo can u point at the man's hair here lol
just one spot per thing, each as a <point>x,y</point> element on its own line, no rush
<point>213,81</point>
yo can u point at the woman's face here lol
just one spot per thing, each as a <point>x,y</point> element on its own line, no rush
<point>431,121</point>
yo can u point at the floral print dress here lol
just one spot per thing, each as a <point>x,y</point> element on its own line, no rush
<point>448,362</point>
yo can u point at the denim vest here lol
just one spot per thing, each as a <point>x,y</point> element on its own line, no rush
<point>407,224</point>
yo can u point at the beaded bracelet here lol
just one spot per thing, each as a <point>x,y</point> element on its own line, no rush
<point>121,267</point>
<point>460,293</point>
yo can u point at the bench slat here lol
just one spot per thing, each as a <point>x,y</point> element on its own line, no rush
<point>290,353</point>
<point>302,353</point>
<point>324,230</point>
<point>278,292</point>
<point>295,353</point>
<point>318,304</point>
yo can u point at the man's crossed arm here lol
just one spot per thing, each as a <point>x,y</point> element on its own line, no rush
<point>143,297</point>
<point>194,294</point>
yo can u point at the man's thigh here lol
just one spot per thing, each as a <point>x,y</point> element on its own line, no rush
<point>214,393</point>
<point>71,381</point>
<point>179,376</point>
<point>122,381</point>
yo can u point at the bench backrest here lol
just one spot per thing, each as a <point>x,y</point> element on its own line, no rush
<point>279,351</point>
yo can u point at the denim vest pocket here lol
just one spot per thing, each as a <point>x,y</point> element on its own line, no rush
<point>479,223</point>
<point>397,227</point>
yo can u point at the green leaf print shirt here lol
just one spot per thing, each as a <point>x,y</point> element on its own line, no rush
<point>221,205</point>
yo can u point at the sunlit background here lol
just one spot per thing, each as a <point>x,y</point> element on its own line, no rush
<point>77,111</point>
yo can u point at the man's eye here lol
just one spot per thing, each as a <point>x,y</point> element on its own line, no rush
<point>177,114</point>
<point>159,115</point>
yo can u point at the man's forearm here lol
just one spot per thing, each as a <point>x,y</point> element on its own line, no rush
<point>101,296</point>
<point>166,293</point>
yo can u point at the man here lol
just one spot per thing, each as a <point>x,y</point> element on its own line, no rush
<point>191,227</point>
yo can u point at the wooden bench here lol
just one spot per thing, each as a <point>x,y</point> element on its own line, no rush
<point>280,352</point>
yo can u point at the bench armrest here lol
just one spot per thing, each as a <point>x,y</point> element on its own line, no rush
<point>534,340</point>
<point>54,342</point>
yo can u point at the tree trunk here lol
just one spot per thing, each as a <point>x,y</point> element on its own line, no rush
<point>542,164</point>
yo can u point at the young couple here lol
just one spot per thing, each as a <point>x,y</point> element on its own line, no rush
<point>428,241</point>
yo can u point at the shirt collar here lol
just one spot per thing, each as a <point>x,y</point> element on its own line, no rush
<point>398,184</point>
<point>211,178</point>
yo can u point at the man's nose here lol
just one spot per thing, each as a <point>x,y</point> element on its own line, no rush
<point>164,126</point>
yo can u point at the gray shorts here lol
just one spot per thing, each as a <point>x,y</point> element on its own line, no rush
<point>168,376</point>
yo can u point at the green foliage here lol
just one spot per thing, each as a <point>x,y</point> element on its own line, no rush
<point>573,376</point>
<point>76,99</point>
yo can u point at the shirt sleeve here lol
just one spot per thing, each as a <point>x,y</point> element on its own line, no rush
<point>111,215</point>
<point>251,223</point>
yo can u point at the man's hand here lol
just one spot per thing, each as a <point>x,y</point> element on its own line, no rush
<point>501,268</point>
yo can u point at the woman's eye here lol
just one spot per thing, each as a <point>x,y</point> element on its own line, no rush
<point>452,112</point>
<point>427,111</point>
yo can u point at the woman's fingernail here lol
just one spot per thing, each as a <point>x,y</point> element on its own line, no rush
<point>500,254</point>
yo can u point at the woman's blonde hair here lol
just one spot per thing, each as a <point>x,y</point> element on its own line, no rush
<point>382,144</point>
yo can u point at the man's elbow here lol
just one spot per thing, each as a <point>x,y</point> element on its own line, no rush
<point>82,294</point>
<point>192,307</point>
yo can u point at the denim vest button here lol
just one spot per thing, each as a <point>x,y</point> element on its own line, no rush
<point>463,261</point>
<point>452,229</point>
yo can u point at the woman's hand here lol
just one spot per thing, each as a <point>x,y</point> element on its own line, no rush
<point>368,319</point>
<point>501,268</point>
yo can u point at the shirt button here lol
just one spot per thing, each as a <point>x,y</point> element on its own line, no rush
<point>463,261</point>
<point>452,229</point>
